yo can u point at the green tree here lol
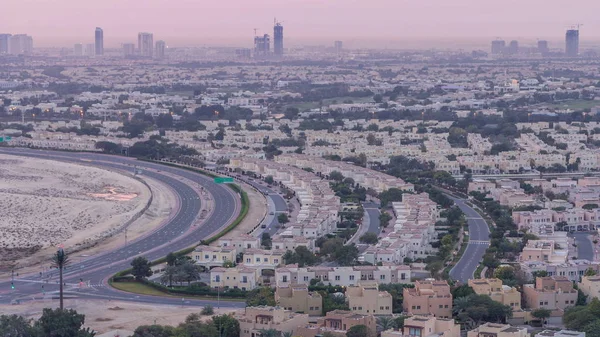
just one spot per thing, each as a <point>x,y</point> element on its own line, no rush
<point>208,310</point>
<point>336,175</point>
<point>282,218</point>
<point>62,323</point>
<point>384,219</point>
<point>378,98</point>
<point>346,255</point>
<point>15,326</point>
<point>302,256</point>
<point>169,274</point>
<point>576,318</point>
<point>171,259</point>
<point>220,135</point>
<point>462,291</point>
<point>260,296</point>
<point>391,195</point>
<point>400,322</point>
<point>592,329</point>
<point>140,268</point>
<point>228,325</point>
<point>369,238</point>
<point>541,314</point>
<point>60,260</point>
<point>590,272</point>
<point>333,302</point>
<point>358,331</point>
<point>270,333</point>
<point>154,331</point>
<point>291,113</point>
<point>269,180</point>
<point>266,240</point>
<point>164,121</point>
<point>385,323</point>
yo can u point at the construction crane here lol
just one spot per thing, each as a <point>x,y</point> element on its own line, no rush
<point>575,26</point>
<point>255,29</point>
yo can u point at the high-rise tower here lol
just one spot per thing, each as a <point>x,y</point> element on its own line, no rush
<point>543,47</point>
<point>278,39</point>
<point>572,42</point>
<point>160,49</point>
<point>262,46</point>
<point>498,47</point>
<point>145,44</point>
<point>99,41</point>
<point>4,43</point>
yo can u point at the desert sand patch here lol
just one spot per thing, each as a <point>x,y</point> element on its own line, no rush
<point>48,203</point>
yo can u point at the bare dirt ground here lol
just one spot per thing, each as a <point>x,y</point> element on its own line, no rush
<point>47,203</point>
<point>256,212</point>
<point>104,315</point>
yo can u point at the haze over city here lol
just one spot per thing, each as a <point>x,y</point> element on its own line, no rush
<point>379,23</point>
<point>299,168</point>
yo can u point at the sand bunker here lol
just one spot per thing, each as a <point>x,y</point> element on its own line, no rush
<point>45,203</point>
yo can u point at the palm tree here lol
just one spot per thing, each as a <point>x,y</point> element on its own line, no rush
<point>461,304</point>
<point>60,261</point>
<point>385,323</point>
<point>270,333</point>
<point>287,334</point>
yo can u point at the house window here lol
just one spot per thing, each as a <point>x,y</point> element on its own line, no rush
<point>244,279</point>
<point>414,332</point>
<point>382,277</point>
<point>285,278</point>
<point>248,260</point>
<point>305,278</point>
<point>351,277</point>
<point>206,257</point>
<point>218,278</point>
<point>258,259</point>
<point>337,277</point>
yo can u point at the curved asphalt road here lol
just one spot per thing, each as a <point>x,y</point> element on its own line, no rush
<point>479,234</point>
<point>177,234</point>
<point>585,248</point>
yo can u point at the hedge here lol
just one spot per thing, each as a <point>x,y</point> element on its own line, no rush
<point>197,290</point>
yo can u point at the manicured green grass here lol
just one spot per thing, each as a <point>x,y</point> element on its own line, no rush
<point>137,288</point>
<point>143,289</point>
<point>577,104</point>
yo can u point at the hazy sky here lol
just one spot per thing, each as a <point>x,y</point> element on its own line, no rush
<point>196,22</point>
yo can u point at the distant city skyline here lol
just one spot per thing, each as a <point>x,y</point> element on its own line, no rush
<point>379,22</point>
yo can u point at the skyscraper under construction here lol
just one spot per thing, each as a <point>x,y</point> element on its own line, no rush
<point>278,39</point>
<point>572,42</point>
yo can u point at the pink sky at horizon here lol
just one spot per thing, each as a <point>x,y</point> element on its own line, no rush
<point>232,22</point>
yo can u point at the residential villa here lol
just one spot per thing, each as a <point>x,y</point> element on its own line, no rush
<point>425,326</point>
<point>428,297</point>
<point>297,298</point>
<point>337,323</point>
<point>256,319</point>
